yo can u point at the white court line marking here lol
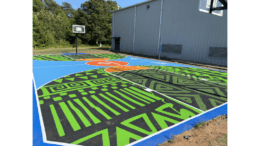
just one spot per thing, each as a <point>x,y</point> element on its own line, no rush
<point>187,120</point>
<point>154,91</point>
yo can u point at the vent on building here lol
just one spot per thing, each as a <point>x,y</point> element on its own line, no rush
<point>218,52</point>
<point>176,49</point>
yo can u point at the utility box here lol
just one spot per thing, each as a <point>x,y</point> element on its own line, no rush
<point>116,44</point>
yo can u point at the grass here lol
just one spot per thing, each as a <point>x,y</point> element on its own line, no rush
<point>66,50</point>
<point>199,125</point>
<point>170,141</point>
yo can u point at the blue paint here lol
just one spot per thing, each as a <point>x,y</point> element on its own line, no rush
<point>167,135</point>
<point>37,132</point>
<point>40,63</point>
<point>71,53</point>
<point>47,74</point>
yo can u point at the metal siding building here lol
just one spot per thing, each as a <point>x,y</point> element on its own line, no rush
<point>177,22</point>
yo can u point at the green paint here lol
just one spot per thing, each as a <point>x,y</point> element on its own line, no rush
<point>197,98</point>
<point>93,118</point>
<point>57,99</point>
<point>92,92</point>
<point>145,97</point>
<point>47,97</point>
<point>67,88</point>
<point>105,74</point>
<point>130,99</point>
<point>74,124</point>
<point>94,76</point>
<point>114,87</point>
<point>94,88</point>
<point>88,73</point>
<point>76,75</point>
<point>41,102</point>
<point>115,103</point>
<point>105,105</point>
<point>217,97</point>
<point>72,95</point>
<point>135,96</point>
<point>127,123</point>
<point>123,136</point>
<point>97,108</point>
<point>185,99</point>
<point>58,80</point>
<point>132,107</point>
<point>84,93</point>
<point>81,90</point>
<point>57,121</point>
<point>70,79</point>
<point>145,93</point>
<point>124,85</point>
<point>63,94</point>
<point>183,114</point>
<point>161,120</point>
<point>80,115</point>
<point>105,137</point>
<point>214,102</point>
<point>104,89</point>
<point>105,86</point>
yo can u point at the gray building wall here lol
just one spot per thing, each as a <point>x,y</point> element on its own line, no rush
<point>147,28</point>
<point>182,24</point>
<point>123,26</point>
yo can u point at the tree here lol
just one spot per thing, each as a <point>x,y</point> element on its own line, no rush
<point>37,5</point>
<point>95,15</point>
<point>67,8</point>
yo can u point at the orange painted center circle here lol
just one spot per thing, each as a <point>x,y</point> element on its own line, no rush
<point>107,63</point>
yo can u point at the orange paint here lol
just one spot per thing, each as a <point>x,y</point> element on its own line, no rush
<point>125,68</point>
<point>107,63</point>
<point>93,59</point>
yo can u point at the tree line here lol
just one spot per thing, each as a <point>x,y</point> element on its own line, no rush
<point>52,23</point>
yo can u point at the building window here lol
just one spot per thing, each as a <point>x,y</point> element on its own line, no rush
<point>214,3</point>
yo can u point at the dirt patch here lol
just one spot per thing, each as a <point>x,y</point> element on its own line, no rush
<point>211,133</point>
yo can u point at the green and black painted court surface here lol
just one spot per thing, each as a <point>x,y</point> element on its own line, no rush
<point>74,57</point>
<point>96,108</point>
<point>197,73</point>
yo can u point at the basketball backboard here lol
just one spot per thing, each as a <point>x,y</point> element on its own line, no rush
<point>78,28</point>
<point>204,6</point>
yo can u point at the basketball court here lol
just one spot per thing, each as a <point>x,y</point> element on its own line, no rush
<point>116,100</point>
<point>119,100</point>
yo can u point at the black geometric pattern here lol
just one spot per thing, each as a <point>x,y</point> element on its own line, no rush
<point>95,108</point>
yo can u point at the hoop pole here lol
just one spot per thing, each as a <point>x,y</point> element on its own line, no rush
<point>76,43</point>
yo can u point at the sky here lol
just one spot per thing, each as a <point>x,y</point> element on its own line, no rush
<point>123,3</point>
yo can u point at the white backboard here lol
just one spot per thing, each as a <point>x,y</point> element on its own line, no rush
<point>78,28</point>
<point>204,6</point>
